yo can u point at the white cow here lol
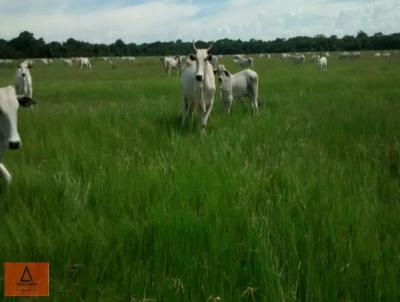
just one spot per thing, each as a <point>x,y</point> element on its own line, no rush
<point>84,62</point>
<point>23,80</point>
<point>171,63</point>
<point>386,54</point>
<point>198,85</point>
<point>9,137</point>
<point>323,63</point>
<point>238,85</point>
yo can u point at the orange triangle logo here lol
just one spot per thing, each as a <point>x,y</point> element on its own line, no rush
<point>26,276</point>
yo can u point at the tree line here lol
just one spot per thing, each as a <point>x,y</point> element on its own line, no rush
<point>27,46</point>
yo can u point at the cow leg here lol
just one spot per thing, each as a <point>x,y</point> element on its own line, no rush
<point>184,110</point>
<point>229,106</point>
<point>5,174</point>
<point>206,114</point>
<point>254,106</point>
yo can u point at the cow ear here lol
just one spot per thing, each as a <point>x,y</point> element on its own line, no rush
<point>227,73</point>
<point>192,57</point>
<point>209,58</point>
<point>26,102</point>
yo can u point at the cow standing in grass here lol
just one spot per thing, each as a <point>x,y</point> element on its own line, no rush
<point>171,63</point>
<point>9,137</point>
<point>198,85</point>
<point>84,63</point>
<point>323,64</point>
<point>236,86</point>
<point>23,80</point>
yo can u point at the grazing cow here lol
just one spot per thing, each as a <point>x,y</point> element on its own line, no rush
<point>236,86</point>
<point>44,61</point>
<point>198,85</point>
<point>315,58</point>
<point>244,62</point>
<point>344,55</point>
<point>386,54</point>
<point>298,59</point>
<point>84,62</point>
<point>323,63</point>
<point>350,55</point>
<point>23,80</point>
<point>237,57</point>
<point>378,55</point>
<point>171,63</point>
<point>9,137</point>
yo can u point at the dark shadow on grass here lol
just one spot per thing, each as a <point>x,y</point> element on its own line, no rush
<point>173,124</point>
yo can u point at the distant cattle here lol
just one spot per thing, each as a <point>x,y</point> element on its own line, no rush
<point>67,62</point>
<point>9,137</point>
<point>350,55</point>
<point>298,59</point>
<point>244,62</point>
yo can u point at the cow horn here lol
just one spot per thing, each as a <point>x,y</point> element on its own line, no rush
<point>194,45</point>
<point>209,48</point>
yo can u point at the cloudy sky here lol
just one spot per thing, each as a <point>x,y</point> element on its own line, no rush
<point>165,20</point>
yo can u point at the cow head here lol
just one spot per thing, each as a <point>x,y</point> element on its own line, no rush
<point>8,120</point>
<point>202,57</point>
<point>222,73</point>
<point>24,68</point>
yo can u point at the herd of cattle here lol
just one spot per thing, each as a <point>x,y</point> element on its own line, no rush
<point>198,72</point>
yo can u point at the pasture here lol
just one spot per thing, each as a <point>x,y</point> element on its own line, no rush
<point>300,204</point>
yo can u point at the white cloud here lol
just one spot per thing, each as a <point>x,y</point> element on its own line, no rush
<point>209,20</point>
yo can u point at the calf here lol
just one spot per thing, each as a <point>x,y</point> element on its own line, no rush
<point>238,85</point>
<point>9,137</point>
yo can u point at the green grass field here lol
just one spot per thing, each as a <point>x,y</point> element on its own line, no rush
<point>299,204</point>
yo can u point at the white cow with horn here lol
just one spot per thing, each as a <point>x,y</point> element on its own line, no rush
<point>9,137</point>
<point>23,80</point>
<point>198,85</point>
